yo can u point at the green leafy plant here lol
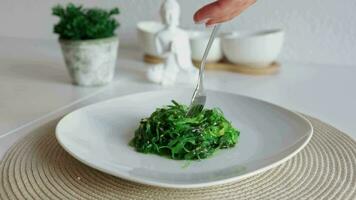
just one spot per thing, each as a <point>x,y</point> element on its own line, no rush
<point>169,132</point>
<point>78,23</point>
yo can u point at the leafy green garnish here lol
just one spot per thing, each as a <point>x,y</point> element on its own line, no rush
<point>78,23</point>
<point>169,132</point>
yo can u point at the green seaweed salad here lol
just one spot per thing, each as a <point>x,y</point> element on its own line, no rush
<point>169,132</point>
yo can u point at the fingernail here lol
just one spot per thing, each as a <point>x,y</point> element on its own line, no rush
<point>200,22</point>
<point>203,21</point>
<point>209,25</point>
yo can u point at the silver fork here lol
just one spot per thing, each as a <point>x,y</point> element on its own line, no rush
<point>199,95</point>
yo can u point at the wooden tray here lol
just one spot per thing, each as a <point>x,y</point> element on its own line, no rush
<point>224,65</point>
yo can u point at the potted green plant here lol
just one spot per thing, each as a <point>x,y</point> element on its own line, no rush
<point>88,42</point>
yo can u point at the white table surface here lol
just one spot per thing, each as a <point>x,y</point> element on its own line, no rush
<point>35,89</point>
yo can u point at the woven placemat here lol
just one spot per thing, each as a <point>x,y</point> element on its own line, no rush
<point>38,168</point>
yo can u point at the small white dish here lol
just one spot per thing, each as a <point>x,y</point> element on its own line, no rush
<point>253,48</point>
<point>146,31</point>
<point>98,135</point>
<point>198,43</point>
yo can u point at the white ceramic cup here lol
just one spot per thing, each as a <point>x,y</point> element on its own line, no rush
<point>146,31</point>
<point>198,43</point>
<point>255,49</point>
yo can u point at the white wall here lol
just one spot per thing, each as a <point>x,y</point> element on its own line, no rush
<point>318,31</point>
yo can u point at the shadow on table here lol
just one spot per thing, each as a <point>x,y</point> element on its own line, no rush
<point>129,67</point>
<point>41,71</point>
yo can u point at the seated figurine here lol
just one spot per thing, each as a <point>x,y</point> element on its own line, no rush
<point>172,44</point>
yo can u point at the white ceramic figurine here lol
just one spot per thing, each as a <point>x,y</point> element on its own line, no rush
<point>172,44</point>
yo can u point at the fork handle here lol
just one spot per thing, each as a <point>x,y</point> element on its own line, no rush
<point>205,55</point>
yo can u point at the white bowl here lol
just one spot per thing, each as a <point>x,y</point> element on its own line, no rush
<point>255,49</point>
<point>198,43</point>
<point>146,31</point>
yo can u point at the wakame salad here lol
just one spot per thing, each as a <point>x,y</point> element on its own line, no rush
<point>169,132</point>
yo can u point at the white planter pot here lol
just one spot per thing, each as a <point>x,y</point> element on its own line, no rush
<point>90,62</point>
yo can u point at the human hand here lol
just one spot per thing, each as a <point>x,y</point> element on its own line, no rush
<point>221,11</point>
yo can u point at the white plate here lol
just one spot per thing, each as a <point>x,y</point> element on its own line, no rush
<point>98,135</point>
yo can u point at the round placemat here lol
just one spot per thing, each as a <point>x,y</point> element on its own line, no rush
<point>38,168</point>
